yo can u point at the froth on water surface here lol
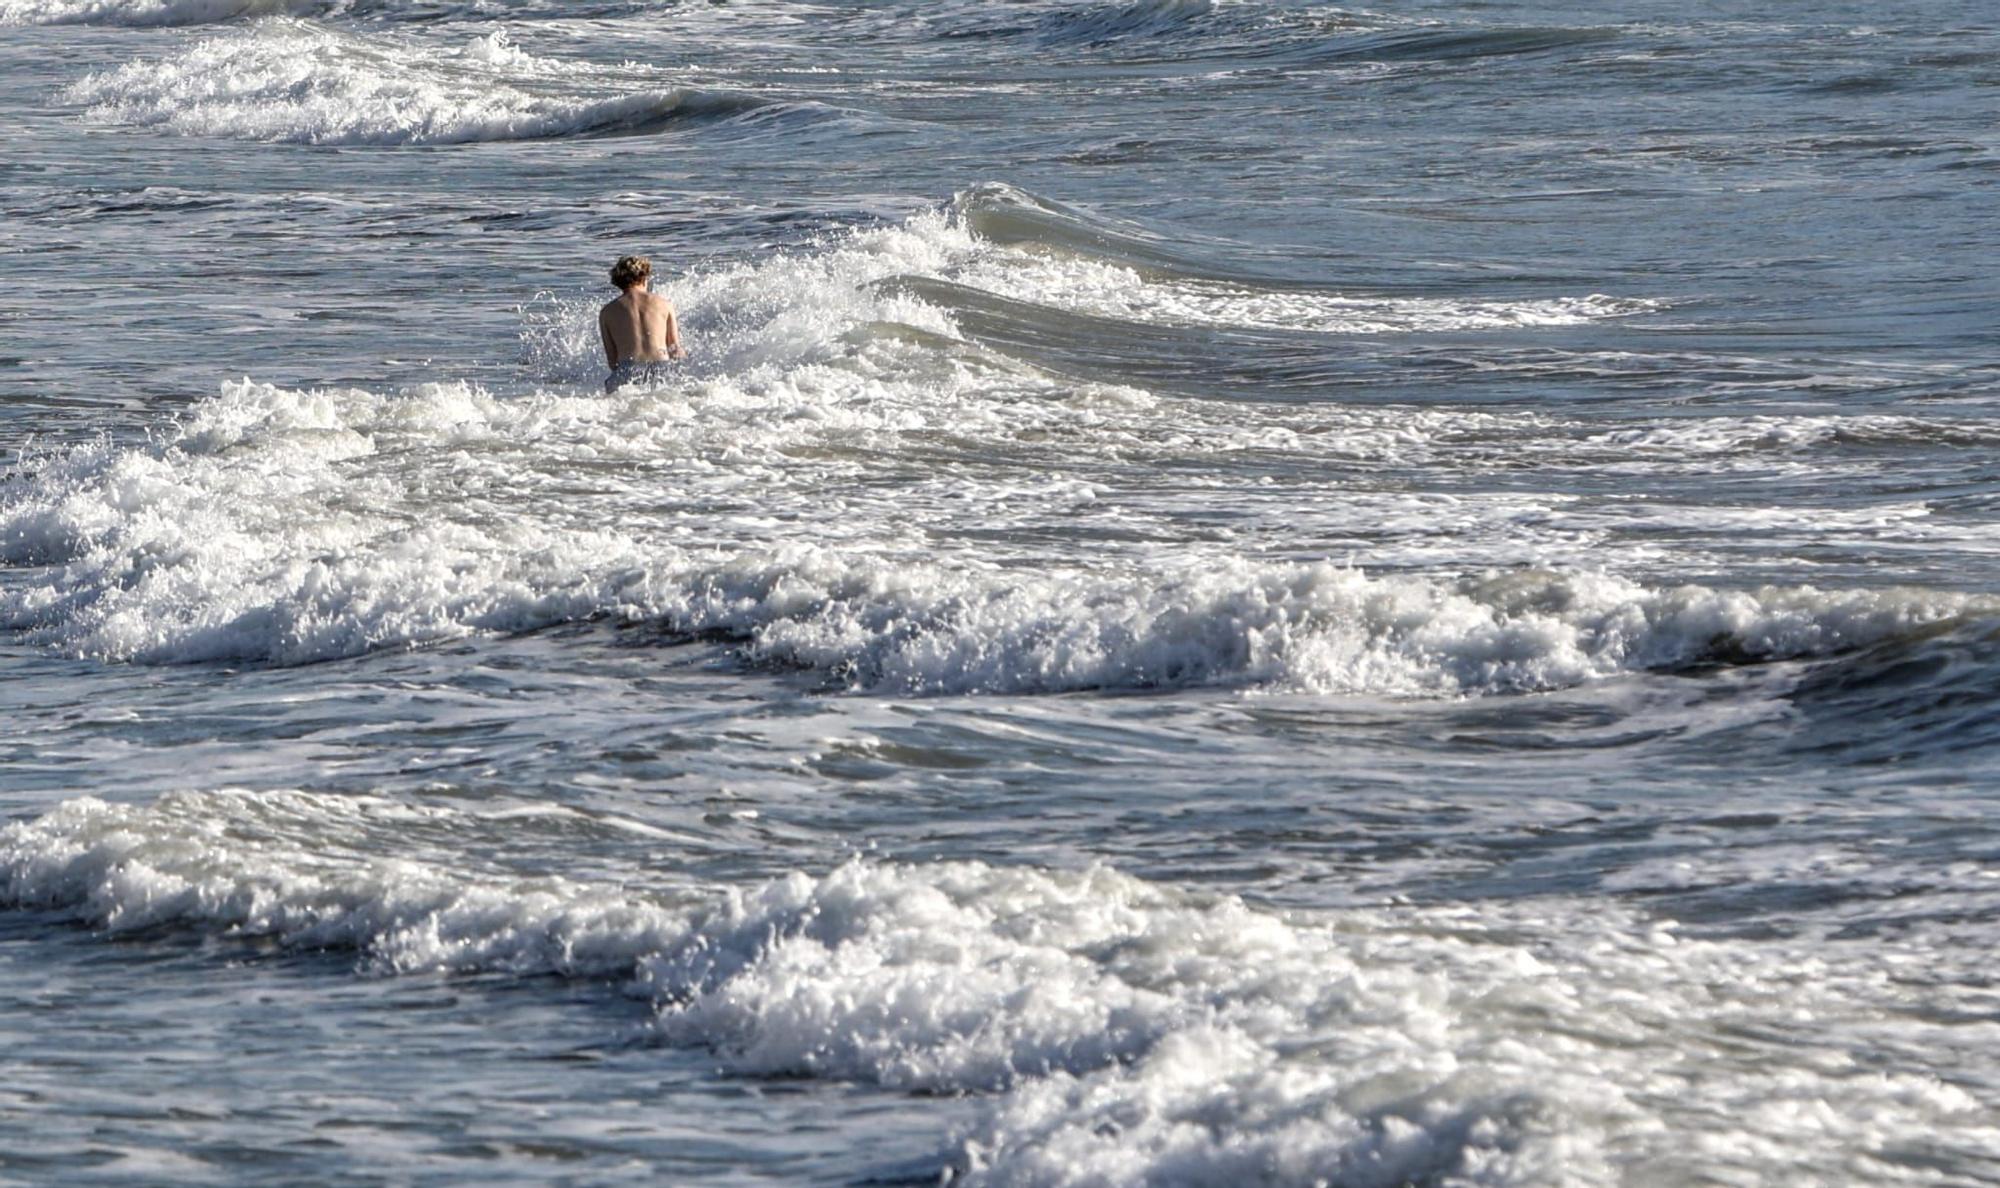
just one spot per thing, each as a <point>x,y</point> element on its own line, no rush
<point>1116,1024</point>
<point>765,494</point>
<point>300,82</point>
<point>1231,593</point>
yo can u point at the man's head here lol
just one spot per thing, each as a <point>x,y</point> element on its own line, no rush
<point>631,272</point>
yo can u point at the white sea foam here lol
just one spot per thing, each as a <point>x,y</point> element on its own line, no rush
<point>285,80</point>
<point>298,526</point>
<point>1113,290</point>
<point>1130,1033</point>
<point>1718,435</point>
<point>1079,262</point>
<point>152,12</point>
<point>748,499</point>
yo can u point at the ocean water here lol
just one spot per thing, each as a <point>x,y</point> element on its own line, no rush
<point>1232,594</point>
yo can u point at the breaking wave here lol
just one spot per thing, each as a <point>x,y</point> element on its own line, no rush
<point>1123,1031</point>
<point>740,500</point>
<point>297,526</point>
<point>153,12</point>
<point>282,80</point>
<point>163,13</point>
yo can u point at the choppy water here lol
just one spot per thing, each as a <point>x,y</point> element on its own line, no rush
<point>1234,593</point>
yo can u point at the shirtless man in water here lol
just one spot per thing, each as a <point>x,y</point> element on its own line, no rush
<point>639,328</point>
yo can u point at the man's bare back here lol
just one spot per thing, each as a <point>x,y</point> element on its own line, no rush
<point>639,328</point>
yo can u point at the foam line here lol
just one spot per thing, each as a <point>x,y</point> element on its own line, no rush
<point>292,526</point>
<point>1125,1032</point>
<point>143,13</point>
<point>283,80</point>
<point>245,538</point>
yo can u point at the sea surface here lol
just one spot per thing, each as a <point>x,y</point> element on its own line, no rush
<point>1231,594</point>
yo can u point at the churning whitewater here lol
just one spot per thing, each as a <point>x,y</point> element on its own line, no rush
<point>242,533</point>
<point>1229,593</point>
<point>1129,1031</point>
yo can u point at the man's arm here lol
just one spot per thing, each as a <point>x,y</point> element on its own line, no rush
<point>673,336</point>
<point>604,332</point>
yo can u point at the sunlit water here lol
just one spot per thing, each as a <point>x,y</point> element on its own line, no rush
<point>1233,593</point>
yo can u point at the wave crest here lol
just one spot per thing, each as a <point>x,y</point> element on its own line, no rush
<point>270,528</point>
<point>1079,262</point>
<point>143,13</point>
<point>1126,1032</point>
<point>294,82</point>
<point>743,499</point>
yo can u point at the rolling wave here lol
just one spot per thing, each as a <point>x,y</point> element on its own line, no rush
<point>143,13</point>
<point>1452,44</point>
<point>166,13</point>
<point>283,80</point>
<point>1078,262</point>
<point>1118,1031</point>
<point>1083,262</point>
<point>1085,24</point>
<point>1203,31</point>
<point>1931,693</point>
<point>241,537</point>
<point>291,526</point>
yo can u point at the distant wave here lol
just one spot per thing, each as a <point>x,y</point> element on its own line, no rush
<point>1115,1030</point>
<point>1078,24</point>
<point>156,13</point>
<point>1080,263</point>
<point>290,81</point>
<point>1443,43</point>
<point>1093,23</point>
<point>1080,284</point>
<point>1201,30</point>
<point>153,12</point>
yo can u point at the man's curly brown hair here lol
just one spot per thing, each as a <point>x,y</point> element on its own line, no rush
<point>631,270</point>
